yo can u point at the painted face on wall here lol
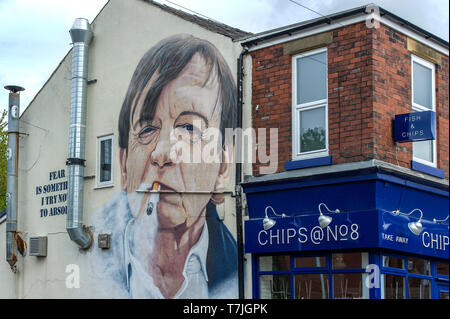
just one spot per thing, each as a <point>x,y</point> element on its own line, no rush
<point>188,106</point>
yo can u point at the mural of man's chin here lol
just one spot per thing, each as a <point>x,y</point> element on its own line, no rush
<point>167,238</point>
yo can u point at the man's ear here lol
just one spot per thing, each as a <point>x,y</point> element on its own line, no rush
<point>223,179</point>
<point>123,169</point>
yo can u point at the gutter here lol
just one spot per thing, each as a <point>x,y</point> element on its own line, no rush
<point>239,234</point>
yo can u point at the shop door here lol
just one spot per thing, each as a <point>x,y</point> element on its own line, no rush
<point>442,290</point>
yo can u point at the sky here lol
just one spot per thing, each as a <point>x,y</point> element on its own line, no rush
<point>34,34</point>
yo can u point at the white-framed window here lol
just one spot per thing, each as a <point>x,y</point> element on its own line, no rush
<point>423,99</point>
<point>105,160</point>
<point>310,104</point>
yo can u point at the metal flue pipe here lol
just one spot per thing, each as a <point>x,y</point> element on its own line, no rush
<point>12,155</point>
<point>81,35</point>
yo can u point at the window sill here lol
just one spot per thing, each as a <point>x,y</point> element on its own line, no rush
<point>416,166</point>
<point>104,186</point>
<point>311,162</point>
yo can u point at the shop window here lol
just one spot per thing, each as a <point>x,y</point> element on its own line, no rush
<point>350,286</point>
<point>393,262</point>
<point>309,262</point>
<point>274,263</point>
<point>394,287</point>
<point>442,269</point>
<point>423,99</point>
<point>310,105</point>
<point>312,277</point>
<point>412,278</point>
<point>419,266</point>
<point>350,260</point>
<point>419,288</point>
<point>105,161</point>
<point>275,287</point>
<point>311,286</point>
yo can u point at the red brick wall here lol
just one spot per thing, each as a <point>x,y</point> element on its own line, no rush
<point>350,86</point>
<point>271,98</point>
<point>369,81</point>
<point>442,100</point>
<point>392,93</point>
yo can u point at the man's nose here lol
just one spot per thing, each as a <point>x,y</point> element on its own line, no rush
<point>160,156</point>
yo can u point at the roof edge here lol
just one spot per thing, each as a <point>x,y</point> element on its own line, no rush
<point>209,24</point>
<point>262,37</point>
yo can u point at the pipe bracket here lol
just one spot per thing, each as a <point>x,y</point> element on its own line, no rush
<point>76,161</point>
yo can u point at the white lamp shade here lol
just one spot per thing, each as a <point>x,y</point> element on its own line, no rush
<point>324,221</point>
<point>415,227</point>
<point>268,223</point>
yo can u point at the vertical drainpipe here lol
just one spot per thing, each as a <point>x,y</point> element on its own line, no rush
<point>81,35</point>
<point>12,155</point>
<point>239,237</point>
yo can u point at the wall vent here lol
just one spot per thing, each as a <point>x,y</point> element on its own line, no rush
<point>38,246</point>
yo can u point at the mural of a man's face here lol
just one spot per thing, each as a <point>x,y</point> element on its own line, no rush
<point>189,99</point>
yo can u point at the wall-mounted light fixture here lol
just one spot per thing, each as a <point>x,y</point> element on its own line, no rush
<point>269,222</point>
<point>440,221</point>
<point>414,227</point>
<point>325,220</point>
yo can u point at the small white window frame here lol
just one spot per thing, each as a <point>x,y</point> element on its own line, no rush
<point>297,108</point>
<point>419,108</point>
<point>99,143</point>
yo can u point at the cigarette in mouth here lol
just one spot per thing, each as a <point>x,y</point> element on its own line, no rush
<point>153,198</point>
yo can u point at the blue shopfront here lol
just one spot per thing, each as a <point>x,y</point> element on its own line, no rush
<point>351,231</point>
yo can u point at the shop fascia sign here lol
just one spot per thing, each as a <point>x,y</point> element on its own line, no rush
<point>303,233</point>
<point>348,230</point>
<point>416,126</point>
<point>394,233</point>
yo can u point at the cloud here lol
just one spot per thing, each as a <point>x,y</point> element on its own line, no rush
<point>34,38</point>
<point>34,35</point>
<point>262,15</point>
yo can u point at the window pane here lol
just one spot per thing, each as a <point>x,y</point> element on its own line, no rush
<point>442,269</point>
<point>274,263</point>
<point>312,78</point>
<point>105,160</point>
<point>422,85</point>
<point>274,287</point>
<point>394,287</point>
<point>418,266</point>
<point>311,286</point>
<point>419,288</point>
<point>350,261</point>
<point>443,295</point>
<point>393,262</point>
<point>309,262</point>
<point>312,130</point>
<point>423,150</point>
<point>349,286</point>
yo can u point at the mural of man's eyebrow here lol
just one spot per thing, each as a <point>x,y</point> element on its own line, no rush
<point>196,114</point>
<point>145,118</point>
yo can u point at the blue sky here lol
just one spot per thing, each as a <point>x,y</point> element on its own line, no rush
<point>34,34</point>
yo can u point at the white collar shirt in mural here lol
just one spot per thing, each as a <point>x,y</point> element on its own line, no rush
<point>195,284</point>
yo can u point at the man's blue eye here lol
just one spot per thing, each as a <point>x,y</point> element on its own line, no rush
<point>189,127</point>
<point>146,130</point>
